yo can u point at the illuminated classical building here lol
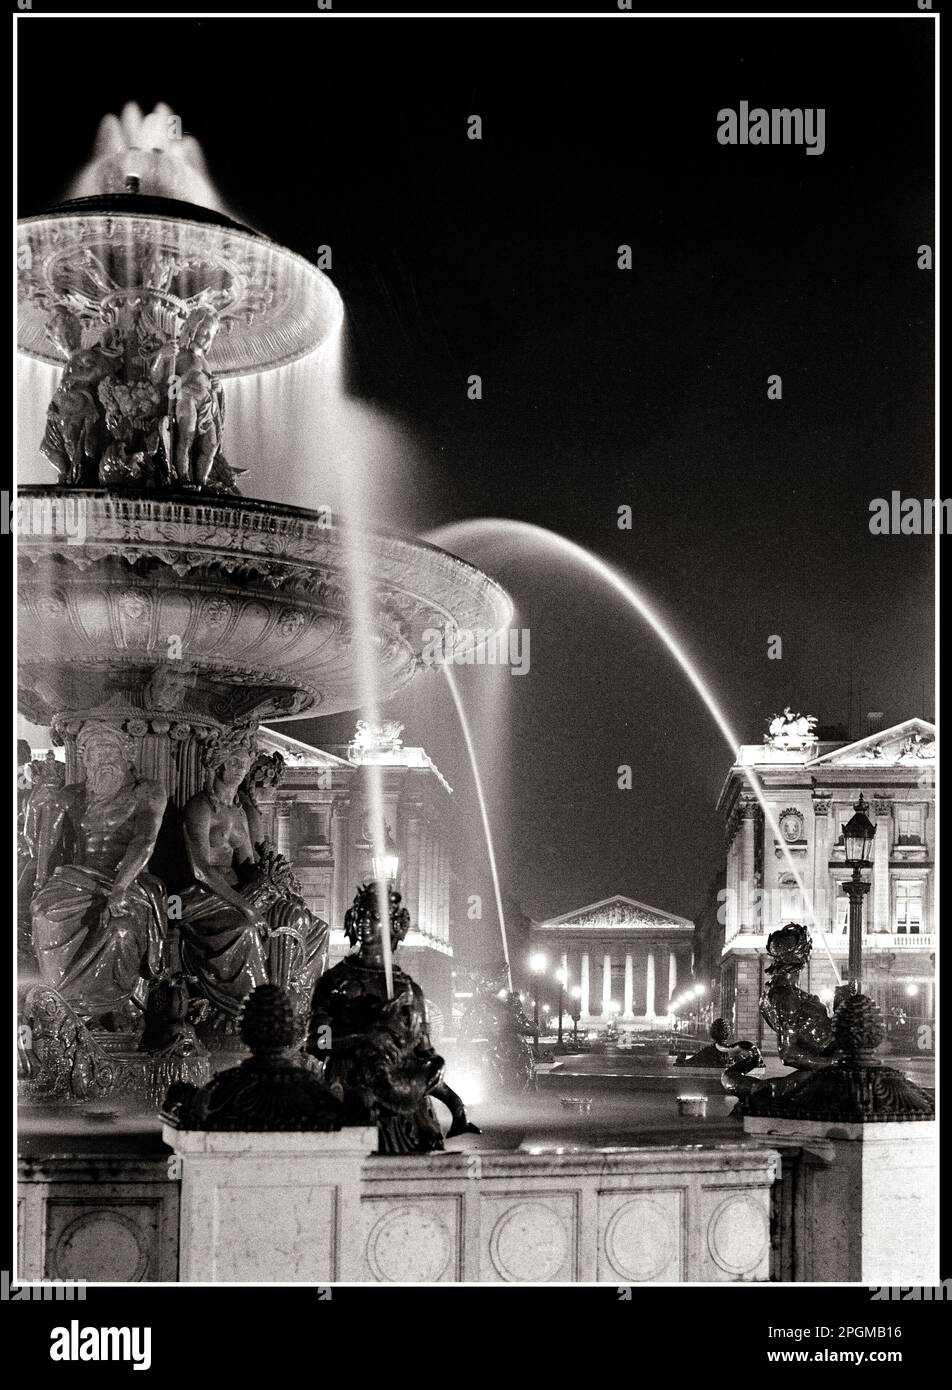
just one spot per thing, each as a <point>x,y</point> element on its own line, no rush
<point>810,785</point>
<point>627,959</point>
<point>318,819</point>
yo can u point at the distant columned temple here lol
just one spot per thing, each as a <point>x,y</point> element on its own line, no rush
<point>627,959</point>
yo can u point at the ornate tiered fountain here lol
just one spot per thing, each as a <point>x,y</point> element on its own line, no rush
<point>163,615</point>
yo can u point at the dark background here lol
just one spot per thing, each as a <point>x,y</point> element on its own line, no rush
<point>601,388</point>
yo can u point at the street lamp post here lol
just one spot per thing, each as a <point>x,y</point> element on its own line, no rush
<point>858,833</point>
<point>576,1011</point>
<point>537,964</point>
<point>560,975</point>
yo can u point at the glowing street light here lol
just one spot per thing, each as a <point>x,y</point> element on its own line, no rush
<point>537,964</point>
<point>387,862</point>
<point>562,975</point>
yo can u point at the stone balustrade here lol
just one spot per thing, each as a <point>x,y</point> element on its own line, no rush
<point>609,1216</point>
<point>317,1208</point>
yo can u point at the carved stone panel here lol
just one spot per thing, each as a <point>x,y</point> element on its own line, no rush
<point>415,1241</point>
<point>641,1237</point>
<point>529,1239</point>
<point>112,1233</point>
<point>737,1235</point>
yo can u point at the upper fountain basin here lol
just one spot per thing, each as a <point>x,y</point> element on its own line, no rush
<point>107,255</point>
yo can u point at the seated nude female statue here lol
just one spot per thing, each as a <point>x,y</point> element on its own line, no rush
<point>222,930</point>
<point>244,921</point>
<point>98,919</point>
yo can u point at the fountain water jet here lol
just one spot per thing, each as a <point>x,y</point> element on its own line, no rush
<point>525,531</point>
<point>484,814</point>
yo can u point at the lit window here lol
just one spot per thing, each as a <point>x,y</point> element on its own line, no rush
<point>842,919</point>
<point>909,824</point>
<point>908,907</point>
<point>791,903</point>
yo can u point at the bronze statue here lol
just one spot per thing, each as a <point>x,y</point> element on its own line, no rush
<point>244,919</point>
<point>39,781</point>
<point>76,433</point>
<point>222,928</point>
<point>739,1056</point>
<point>801,1021</point>
<point>297,938</point>
<point>377,1049</point>
<point>193,427</point>
<point>806,1038</point>
<point>274,1089</point>
<point>99,919</point>
<point>497,1032</point>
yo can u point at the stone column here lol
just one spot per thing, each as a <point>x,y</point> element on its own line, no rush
<point>340,819</point>
<point>877,915</point>
<point>284,811</point>
<point>824,898</point>
<point>672,973</point>
<point>748,827</point>
<point>606,983</point>
<point>584,984</point>
<point>628,1011</point>
<point>411,869</point>
<point>650,986</point>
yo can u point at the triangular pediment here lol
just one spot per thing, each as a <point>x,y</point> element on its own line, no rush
<point>295,752</point>
<point>617,911</point>
<point>909,744</point>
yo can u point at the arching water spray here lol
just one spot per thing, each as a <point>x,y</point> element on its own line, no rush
<point>361,613</point>
<point>484,814</point>
<point>451,536</point>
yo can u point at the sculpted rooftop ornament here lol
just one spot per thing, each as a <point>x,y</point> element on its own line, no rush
<point>380,736</point>
<point>791,732</point>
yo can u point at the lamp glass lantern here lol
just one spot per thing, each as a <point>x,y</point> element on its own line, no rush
<point>858,836</point>
<point>386,862</point>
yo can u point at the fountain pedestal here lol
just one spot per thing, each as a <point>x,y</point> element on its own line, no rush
<point>865,1213</point>
<point>269,1206</point>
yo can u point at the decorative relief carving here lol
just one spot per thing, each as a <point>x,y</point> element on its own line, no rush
<point>279,631</point>
<point>738,1235</point>
<point>641,1239</point>
<point>529,1242</point>
<point>410,1244</point>
<point>101,1244</point>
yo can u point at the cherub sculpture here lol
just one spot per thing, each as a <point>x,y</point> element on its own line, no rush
<point>193,427</point>
<point>76,434</point>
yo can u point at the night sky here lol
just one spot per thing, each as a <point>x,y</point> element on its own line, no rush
<point>601,387</point>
